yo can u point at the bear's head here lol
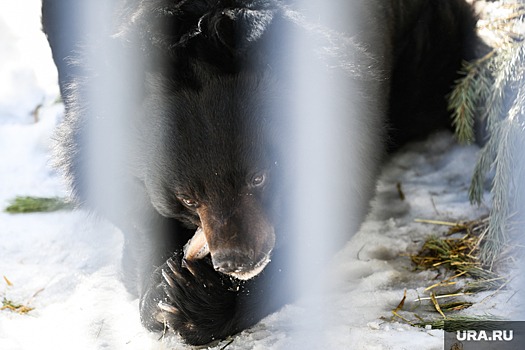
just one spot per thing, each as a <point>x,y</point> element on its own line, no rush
<point>214,165</point>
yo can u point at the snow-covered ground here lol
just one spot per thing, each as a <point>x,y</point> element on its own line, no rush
<point>66,264</point>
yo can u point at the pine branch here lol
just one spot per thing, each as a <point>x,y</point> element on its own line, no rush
<point>507,67</point>
<point>462,104</point>
<point>467,95</point>
<point>494,88</point>
<point>483,166</point>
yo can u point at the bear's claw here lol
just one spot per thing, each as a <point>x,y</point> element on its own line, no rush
<point>192,299</point>
<point>168,308</point>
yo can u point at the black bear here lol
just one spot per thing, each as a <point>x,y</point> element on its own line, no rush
<point>181,117</point>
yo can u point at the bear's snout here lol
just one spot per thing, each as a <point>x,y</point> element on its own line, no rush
<point>240,246</point>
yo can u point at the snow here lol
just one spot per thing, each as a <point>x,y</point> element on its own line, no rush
<point>66,265</point>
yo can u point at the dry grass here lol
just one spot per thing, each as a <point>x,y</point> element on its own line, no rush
<point>10,305</point>
<point>37,204</point>
<point>15,307</point>
<point>455,257</point>
<point>458,252</point>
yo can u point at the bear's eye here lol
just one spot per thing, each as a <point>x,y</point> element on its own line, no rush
<point>258,179</point>
<point>190,203</point>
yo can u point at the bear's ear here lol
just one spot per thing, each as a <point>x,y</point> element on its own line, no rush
<point>237,28</point>
<point>171,24</point>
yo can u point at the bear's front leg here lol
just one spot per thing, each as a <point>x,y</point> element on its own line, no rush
<point>194,300</point>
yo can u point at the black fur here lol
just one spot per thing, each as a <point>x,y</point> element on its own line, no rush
<point>196,137</point>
